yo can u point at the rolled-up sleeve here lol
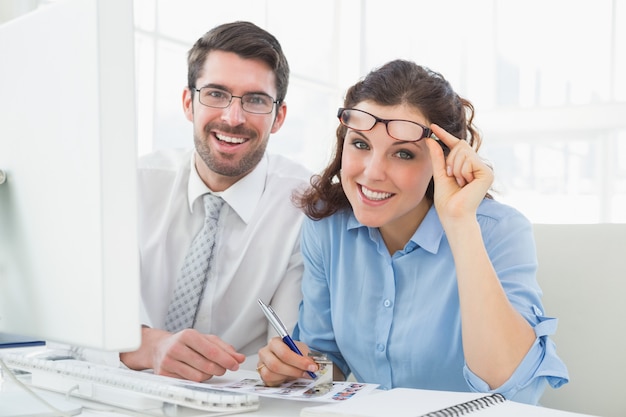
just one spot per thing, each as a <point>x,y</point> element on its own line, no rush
<point>540,366</point>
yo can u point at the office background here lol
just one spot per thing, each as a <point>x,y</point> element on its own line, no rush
<point>547,78</point>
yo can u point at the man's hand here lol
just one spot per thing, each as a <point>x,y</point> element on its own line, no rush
<point>187,354</point>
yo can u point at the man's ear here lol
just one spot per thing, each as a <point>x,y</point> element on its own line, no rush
<point>281,113</point>
<point>188,104</point>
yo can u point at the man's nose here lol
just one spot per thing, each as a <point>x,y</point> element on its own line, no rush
<point>234,113</point>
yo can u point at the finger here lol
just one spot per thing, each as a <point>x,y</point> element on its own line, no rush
<point>304,361</point>
<point>216,355</point>
<point>457,166</point>
<point>267,354</point>
<point>283,361</point>
<point>226,347</point>
<point>436,157</point>
<point>180,361</point>
<point>465,165</point>
<point>184,371</point>
<point>467,171</point>
<point>456,146</point>
<point>447,138</point>
<point>442,174</point>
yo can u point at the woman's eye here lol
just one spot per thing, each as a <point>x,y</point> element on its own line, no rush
<point>359,144</point>
<point>404,155</point>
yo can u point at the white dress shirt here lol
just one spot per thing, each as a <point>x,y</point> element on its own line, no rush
<point>257,247</point>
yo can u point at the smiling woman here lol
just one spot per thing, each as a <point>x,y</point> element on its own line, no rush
<point>446,273</point>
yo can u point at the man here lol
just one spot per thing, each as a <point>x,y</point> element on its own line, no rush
<point>237,82</point>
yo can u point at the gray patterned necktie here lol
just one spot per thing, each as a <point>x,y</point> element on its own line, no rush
<point>181,313</point>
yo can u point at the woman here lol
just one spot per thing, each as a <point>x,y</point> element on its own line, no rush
<point>414,276</point>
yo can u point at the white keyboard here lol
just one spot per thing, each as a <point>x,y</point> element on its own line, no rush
<point>126,388</point>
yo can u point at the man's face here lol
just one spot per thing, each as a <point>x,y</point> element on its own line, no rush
<point>231,141</point>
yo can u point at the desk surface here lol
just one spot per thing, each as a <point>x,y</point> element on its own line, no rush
<point>270,407</point>
<point>12,397</point>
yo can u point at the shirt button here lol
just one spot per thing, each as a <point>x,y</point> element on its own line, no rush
<point>387,303</point>
<point>380,347</point>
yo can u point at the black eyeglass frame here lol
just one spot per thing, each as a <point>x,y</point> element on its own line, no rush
<point>232,96</point>
<point>426,131</point>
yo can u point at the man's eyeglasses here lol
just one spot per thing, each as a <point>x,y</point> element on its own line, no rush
<point>257,103</point>
<point>404,130</point>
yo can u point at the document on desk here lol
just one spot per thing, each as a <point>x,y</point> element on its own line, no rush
<point>405,402</point>
<point>299,389</point>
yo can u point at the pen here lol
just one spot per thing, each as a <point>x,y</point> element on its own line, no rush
<point>281,330</point>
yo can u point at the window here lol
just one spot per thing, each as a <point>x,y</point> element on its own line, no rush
<point>549,91</point>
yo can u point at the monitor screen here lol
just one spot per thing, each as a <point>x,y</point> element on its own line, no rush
<point>69,262</point>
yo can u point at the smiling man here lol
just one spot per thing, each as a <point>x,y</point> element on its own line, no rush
<point>237,82</point>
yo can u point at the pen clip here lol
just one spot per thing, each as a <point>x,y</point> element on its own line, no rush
<point>273,318</point>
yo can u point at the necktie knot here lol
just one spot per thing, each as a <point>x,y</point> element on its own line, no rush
<point>212,206</point>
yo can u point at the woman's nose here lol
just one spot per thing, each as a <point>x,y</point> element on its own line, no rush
<point>375,167</point>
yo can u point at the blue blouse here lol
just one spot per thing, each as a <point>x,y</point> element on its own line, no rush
<point>395,320</point>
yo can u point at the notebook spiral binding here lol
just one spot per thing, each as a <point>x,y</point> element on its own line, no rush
<point>468,407</point>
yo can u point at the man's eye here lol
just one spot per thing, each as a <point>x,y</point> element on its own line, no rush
<point>215,94</point>
<point>257,99</point>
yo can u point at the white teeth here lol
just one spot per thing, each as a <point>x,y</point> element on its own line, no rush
<point>229,139</point>
<point>374,195</point>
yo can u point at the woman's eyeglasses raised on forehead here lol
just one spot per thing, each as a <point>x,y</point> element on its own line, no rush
<point>362,121</point>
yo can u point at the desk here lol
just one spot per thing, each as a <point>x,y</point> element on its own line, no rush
<point>273,407</point>
<point>270,407</point>
<point>394,402</point>
<point>13,395</point>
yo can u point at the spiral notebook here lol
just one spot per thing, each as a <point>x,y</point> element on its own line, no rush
<point>404,402</point>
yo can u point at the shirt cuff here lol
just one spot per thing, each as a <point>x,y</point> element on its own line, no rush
<point>539,367</point>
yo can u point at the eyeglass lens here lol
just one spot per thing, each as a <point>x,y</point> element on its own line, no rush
<point>397,129</point>
<point>252,102</point>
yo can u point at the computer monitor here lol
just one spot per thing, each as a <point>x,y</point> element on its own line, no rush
<point>69,260</point>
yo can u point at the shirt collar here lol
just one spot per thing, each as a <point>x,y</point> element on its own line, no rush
<point>243,196</point>
<point>195,187</point>
<point>427,236</point>
<point>430,232</point>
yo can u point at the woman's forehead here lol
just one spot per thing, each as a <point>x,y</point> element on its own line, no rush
<point>400,111</point>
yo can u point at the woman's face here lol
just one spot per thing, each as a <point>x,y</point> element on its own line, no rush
<point>385,179</point>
